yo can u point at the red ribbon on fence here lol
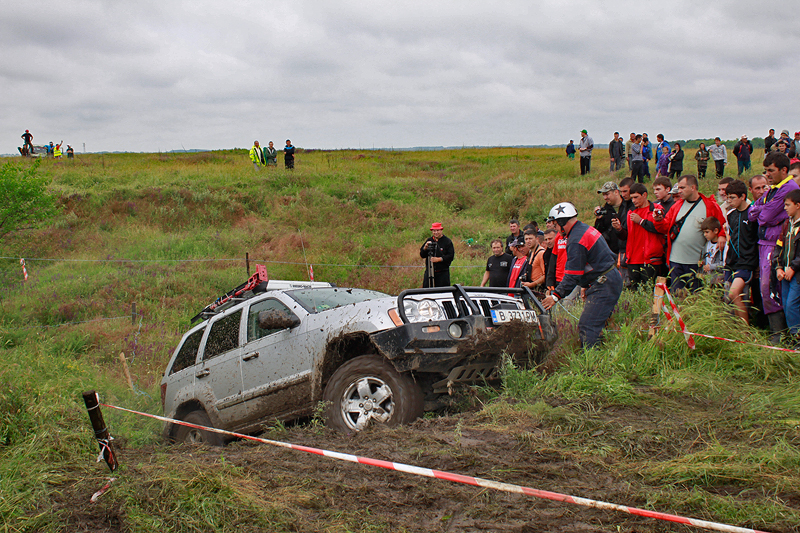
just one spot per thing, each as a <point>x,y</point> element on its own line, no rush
<point>24,270</point>
<point>676,313</point>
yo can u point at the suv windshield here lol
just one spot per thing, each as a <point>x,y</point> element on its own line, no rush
<point>319,300</point>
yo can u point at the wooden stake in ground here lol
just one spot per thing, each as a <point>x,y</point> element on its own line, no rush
<point>658,298</point>
<point>125,369</point>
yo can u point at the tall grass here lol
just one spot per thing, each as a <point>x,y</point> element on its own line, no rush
<point>186,222</point>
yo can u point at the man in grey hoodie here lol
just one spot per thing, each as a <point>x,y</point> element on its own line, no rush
<point>719,154</point>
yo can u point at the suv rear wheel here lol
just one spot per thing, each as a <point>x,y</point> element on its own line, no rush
<point>368,390</point>
<point>189,435</point>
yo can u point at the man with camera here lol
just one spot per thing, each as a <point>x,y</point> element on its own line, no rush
<point>438,252</point>
<point>685,241</point>
<point>605,215</point>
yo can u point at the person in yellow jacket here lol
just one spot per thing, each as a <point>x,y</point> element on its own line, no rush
<point>257,156</point>
<point>57,150</point>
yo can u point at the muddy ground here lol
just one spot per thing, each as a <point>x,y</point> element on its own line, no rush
<point>514,448</point>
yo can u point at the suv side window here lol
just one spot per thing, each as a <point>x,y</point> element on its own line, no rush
<point>253,330</point>
<point>224,335</point>
<point>188,352</point>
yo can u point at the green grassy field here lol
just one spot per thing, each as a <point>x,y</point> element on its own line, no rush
<point>712,433</point>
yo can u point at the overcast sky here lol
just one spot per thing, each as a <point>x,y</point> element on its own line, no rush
<point>162,75</point>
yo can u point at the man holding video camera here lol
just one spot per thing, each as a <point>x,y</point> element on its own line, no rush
<point>438,252</point>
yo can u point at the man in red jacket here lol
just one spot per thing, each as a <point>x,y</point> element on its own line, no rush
<point>645,247</point>
<point>685,241</point>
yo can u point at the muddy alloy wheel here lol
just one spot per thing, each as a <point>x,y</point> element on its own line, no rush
<point>189,435</point>
<point>368,390</point>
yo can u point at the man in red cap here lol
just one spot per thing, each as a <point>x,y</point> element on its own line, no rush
<point>438,253</point>
<point>27,140</point>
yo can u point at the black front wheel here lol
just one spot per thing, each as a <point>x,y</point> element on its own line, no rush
<point>190,435</point>
<point>368,390</point>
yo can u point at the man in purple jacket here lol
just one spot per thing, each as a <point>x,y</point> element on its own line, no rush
<point>769,213</point>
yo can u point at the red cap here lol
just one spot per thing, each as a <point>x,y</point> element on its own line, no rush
<point>796,133</point>
<point>436,225</point>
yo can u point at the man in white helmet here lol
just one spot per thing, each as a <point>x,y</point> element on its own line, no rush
<point>590,264</point>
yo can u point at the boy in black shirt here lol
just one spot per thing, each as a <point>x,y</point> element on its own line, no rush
<point>741,258</point>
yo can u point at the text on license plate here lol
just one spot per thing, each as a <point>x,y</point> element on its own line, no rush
<point>500,316</point>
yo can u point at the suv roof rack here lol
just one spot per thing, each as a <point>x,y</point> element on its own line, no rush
<point>255,285</point>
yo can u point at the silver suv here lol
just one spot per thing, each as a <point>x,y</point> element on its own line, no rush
<point>261,355</point>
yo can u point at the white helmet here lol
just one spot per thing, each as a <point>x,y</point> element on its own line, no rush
<point>563,210</point>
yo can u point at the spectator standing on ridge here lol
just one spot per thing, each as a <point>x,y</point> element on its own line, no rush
<point>702,156</point>
<point>685,241</point>
<point>70,152</point>
<point>628,145</point>
<point>794,148</point>
<point>676,162</point>
<point>257,156</point>
<point>57,153</point>
<point>513,225</point>
<point>742,150</point>
<point>27,141</point>
<point>768,211</point>
<point>50,149</point>
<point>741,257</point>
<point>719,154</point>
<point>662,165</point>
<point>585,148</point>
<point>438,252</point>
<point>647,155</point>
<point>661,144</point>
<point>637,161</point>
<point>590,265</point>
<point>271,155</point>
<point>288,162</point>
<point>497,266</point>
<point>571,149</point>
<point>616,153</point>
<point>769,140</point>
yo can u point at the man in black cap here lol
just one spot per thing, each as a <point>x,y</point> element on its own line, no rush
<point>604,216</point>
<point>27,142</point>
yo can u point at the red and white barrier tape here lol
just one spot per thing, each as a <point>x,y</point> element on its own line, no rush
<point>24,270</point>
<point>103,490</point>
<point>467,480</point>
<point>311,272</point>
<point>689,338</point>
<point>688,334</point>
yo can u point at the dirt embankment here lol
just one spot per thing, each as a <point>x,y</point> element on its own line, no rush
<point>516,449</point>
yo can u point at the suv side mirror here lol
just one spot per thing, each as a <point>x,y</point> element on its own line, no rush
<point>272,319</point>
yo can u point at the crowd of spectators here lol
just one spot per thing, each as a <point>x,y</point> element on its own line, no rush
<point>744,238</point>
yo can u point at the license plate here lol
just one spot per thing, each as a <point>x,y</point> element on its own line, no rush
<point>500,316</point>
